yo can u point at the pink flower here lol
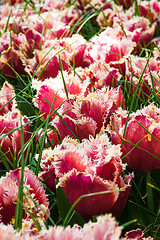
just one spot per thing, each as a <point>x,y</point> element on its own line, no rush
<point>90,167</point>
<point>9,194</point>
<point>76,50</point>
<point>87,115</point>
<point>7,232</point>
<point>141,138</point>
<point>48,100</point>
<point>152,8</point>
<point>45,63</point>
<point>7,98</point>
<point>48,173</point>
<point>136,234</point>
<point>147,31</point>
<point>60,233</point>
<point>71,51</point>
<point>103,75</point>
<point>13,50</point>
<point>106,228</point>
<point>136,28</point>
<point>109,49</point>
<point>139,71</point>
<point>10,132</point>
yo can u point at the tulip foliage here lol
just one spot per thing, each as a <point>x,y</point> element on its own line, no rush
<point>79,119</point>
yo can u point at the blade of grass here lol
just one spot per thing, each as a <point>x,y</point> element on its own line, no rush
<point>19,207</point>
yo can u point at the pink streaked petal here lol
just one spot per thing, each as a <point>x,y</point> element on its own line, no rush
<point>125,185</point>
<point>80,128</point>
<point>103,75</point>
<point>140,127</point>
<point>68,161</point>
<point>6,94</point>
<point>105,228</point>
<point>48,100</point>
<point>76,184</point>
<point>49,178</point>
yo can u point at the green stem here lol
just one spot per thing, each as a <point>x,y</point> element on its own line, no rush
<point>149,192</point>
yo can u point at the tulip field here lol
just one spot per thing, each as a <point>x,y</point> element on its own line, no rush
<point>79,119</point>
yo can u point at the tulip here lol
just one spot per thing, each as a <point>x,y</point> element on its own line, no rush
<point>141,140</point>
<point>7,232</point>
<point>13,49</point>
<point>105,228</point>
<point>136,234</point>
<point>9,186</point>
<point>7,98</point>
<point>87,116</point>
<point>10,132</point>
<point>88,168</point>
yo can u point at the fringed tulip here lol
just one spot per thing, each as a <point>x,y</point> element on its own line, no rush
<point>141,139</point>
<point>11,144</point>
<point>86,116</point>
<point>13,49</point>
<point>152,9</point>
<point>136,234</point>
<point>33,191</point>
<point>49,100</point>
<point>142,76</point>
<point>7,232</point>
<point>7,99</point>
<point>106,228</point>
<point>111,50</point>
<point>88,168</point>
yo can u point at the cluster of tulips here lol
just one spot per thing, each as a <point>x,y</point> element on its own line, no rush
<point>95,142</point>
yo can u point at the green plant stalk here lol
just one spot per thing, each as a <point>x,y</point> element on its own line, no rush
<point>64,83</point>
<point>5,30</point>
<point>19,207</point>
<point>133,100</point>
<point>128,223</point>
<point>149,192</point>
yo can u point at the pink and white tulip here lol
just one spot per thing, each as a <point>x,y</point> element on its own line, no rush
<point>141,140</point>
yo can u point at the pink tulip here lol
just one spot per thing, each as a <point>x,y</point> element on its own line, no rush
<point>9,194</point>
<point>48,100</point>
<point>13,50</point>
<point>141,139</point>
<point>7,99</point>
<point>7,232</point>
<point>106,228</point>
<point>90,167</point>
<point>10,129</point>
<point>152,8</point>
<point>136,234</point>
<point>86,116</point>
<point>148,80</point>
